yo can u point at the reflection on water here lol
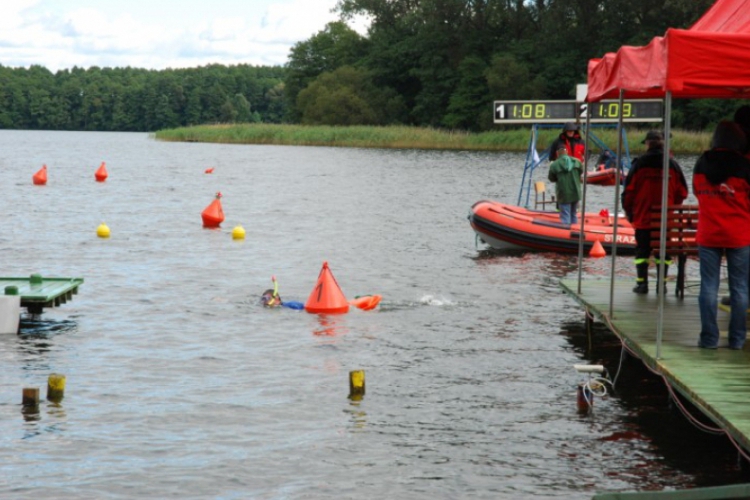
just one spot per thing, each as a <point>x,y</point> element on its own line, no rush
<point>331,325</point>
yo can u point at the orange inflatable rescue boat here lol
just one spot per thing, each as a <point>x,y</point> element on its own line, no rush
<point>503,226</point>
<point>603,176</point>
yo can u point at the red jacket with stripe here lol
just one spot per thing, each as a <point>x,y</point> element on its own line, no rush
<point>721,182</point>
<point>643,187</point>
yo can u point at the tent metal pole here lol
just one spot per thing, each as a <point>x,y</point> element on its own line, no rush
<point>617,209</point>
<point>663,226</point>
<point>583,200</point>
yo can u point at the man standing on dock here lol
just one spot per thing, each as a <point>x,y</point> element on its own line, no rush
<point>643,190</point>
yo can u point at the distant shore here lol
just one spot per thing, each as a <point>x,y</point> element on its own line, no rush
<point>402,137</point>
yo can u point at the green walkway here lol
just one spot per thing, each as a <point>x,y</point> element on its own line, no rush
<point>716,381</point>
<point>37,292</point>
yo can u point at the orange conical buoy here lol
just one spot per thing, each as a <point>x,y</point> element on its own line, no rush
<point>327,296</point>
<point>101,173</point>
<point>209,170</point>
<point>213,215</point>
<point>597,250</point>
<point>40,178</point>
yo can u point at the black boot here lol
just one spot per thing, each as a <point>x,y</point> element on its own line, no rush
<point>659,286</point>
<point>641,281</point>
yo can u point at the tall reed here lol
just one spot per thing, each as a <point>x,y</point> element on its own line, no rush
<point>403,137</point>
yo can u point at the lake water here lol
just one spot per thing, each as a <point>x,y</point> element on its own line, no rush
<point>179,385</point>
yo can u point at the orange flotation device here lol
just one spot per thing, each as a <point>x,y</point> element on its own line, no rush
<point>366,302</point>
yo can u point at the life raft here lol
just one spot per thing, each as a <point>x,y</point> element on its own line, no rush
<point>603,176</point>
<point>503,226</point>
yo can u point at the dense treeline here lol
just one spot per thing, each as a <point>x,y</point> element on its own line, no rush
<point>129,99</point>
<point>429,63</point>
<point>441,63</point>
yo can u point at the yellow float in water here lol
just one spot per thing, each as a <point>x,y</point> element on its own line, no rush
<point>102,231</point>
<point>238,233</point>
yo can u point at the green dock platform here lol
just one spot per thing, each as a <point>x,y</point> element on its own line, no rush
<point>716,381</point>
<point>37,292</point>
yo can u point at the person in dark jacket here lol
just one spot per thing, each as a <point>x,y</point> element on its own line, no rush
<point>643,190</point>
<point>721,182</point>
<point>570,138</point>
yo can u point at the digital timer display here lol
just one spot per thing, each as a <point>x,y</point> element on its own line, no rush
<point>637,110</point>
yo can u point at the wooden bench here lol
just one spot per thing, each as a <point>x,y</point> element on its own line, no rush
<point>682,226</point>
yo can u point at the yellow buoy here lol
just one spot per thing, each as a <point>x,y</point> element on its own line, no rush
<point>238,233</point>
<point>102,231</point>
<point>56,387</point>
<point>356,385</point>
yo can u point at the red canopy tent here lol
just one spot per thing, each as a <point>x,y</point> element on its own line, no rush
<point>711,59</point>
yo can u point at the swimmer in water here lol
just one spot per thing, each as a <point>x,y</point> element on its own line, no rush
<point>271,298</point>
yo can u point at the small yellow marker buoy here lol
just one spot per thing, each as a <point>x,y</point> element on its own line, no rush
<point>55,387</point>
<point>238,233</point>
<point>356,385</point>
<point>102,231</point>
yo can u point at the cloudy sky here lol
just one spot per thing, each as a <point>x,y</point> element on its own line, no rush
<point>156,34</point>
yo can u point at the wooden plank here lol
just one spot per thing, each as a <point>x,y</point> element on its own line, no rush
<point>716,381</point>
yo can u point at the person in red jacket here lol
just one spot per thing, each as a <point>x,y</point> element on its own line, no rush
<point>643,190</point>
<point>570,138</point>
<point>721,182</point>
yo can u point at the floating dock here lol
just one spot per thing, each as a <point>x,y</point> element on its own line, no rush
<point>715,381</point>
<point>37,292</point>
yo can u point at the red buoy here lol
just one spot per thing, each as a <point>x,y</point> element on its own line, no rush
<point>327,296</point>
<point>213,215</point>
<point>101,173</point>
<point>597,250</point>
<point>210,170</point>
<point>40,178</point>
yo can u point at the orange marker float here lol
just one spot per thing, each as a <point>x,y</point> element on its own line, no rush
<point>101,174</point>
<point>326,297</point>
<point>366,302</point>
<point>209,170</point>
<point>597,250</point>
<point>213,215</point>
<point>40,178</point>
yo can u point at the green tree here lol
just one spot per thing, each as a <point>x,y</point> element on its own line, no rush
<point>335,46</point>
<point>468,108</point>
<point>227,112</point>
<point>347,96</point>
<point>507,78</point>
<point>242,106</point>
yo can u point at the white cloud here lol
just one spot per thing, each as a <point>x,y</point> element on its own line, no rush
<point>148,34</point>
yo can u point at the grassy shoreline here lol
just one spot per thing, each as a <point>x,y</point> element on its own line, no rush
<point>402,137</point>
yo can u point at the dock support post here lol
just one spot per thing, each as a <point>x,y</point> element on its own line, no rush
<point>30,396</point>
<point>589,327</point>
<point>10,311</point>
